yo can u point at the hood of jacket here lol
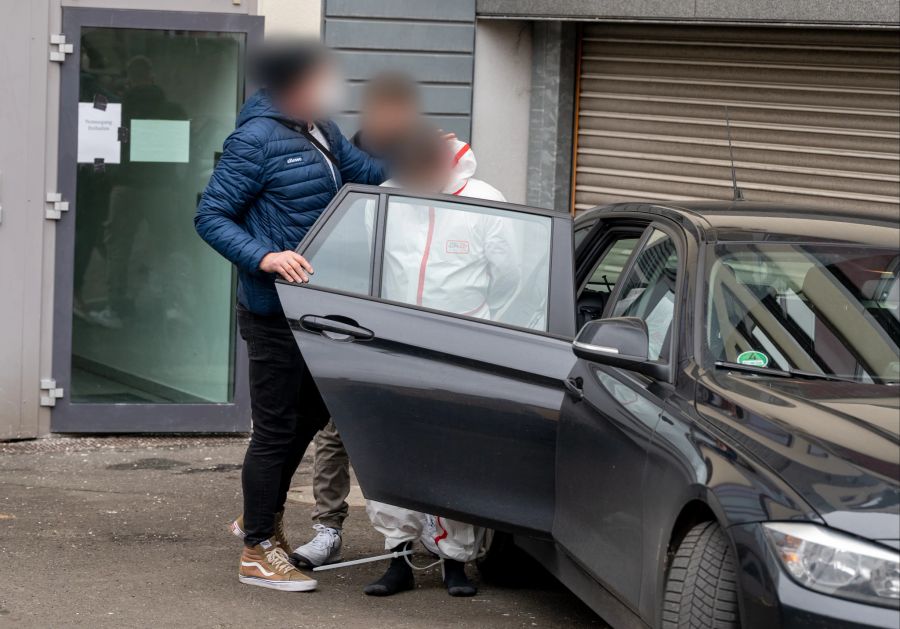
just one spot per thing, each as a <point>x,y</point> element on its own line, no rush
<point>259,105</point>
<point>464,165</point>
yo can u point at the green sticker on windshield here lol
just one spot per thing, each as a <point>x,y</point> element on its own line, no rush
<point>753,359</point>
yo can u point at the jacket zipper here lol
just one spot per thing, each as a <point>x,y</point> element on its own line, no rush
<point>325,158</point>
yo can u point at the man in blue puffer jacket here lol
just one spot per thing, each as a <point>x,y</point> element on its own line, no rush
<point>276,174</point>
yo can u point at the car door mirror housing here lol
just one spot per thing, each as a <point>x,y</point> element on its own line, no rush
<point>619,342</point>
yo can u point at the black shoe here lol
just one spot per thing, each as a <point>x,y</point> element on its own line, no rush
<point>398,578</point>
<point>455,579</point>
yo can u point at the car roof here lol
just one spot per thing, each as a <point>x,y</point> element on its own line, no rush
<point>755,221</point>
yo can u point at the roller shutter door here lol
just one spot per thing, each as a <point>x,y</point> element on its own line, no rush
<point>815,115</point>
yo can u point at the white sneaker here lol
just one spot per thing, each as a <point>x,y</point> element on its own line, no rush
<point>323,549</point>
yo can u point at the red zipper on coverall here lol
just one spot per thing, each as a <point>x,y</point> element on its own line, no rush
<point>423,265</point>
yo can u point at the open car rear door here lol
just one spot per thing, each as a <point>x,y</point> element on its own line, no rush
<point>437,331</point>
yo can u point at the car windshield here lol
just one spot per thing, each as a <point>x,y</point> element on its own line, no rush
<point>810,309</point>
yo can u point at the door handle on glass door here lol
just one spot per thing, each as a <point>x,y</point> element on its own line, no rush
<point>574,387</point>
<point>336,329</point>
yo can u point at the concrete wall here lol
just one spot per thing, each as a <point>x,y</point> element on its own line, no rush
<point>249,7</point>
<point>25,126</point>
<point>795,11</point>
<point>501,110</point>
<point>292,17</point>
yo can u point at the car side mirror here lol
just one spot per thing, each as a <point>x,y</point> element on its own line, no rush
<point>619,342</point>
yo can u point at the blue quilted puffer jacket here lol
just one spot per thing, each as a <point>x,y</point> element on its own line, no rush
<point>269,186</point>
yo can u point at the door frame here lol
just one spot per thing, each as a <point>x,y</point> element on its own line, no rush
<point>111,417</point>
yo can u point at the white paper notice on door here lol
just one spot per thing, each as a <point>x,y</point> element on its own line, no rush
<point>160,141</point>
<point>98,133</point>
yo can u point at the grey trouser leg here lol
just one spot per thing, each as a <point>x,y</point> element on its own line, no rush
<point>331,478</point>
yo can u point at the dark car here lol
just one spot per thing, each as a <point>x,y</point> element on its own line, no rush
<point>689,413</point>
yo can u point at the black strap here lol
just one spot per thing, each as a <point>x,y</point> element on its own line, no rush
<point>302,130</point>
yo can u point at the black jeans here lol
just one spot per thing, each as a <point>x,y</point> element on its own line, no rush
<point>287,411</point>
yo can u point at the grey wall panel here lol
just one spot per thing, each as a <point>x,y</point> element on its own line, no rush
<point>424,66</point>
<point>461,10</point>
<point>349,123</point>
<point>450,37</point>
<point>431,40</point>
<point>436,99</point>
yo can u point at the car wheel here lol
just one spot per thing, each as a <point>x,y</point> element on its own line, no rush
<point>503,563</point>
<point>701,586</point>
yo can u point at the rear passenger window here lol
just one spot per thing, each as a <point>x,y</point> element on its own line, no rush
<point>649,291</point>
<point>469,260</point>
<point>611,264</point>
<point>593,297</point>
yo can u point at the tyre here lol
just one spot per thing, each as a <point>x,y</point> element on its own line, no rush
<point>701,585</point>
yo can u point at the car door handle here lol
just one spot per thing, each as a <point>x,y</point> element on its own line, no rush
<point>574,387</point>
<point>336,329</point>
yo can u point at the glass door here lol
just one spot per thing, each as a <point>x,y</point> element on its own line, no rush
<point>144,329</point>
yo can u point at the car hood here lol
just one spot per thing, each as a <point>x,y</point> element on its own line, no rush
<point>837,444</point>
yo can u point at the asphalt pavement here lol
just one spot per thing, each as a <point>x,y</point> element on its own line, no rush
<point>132,532</point>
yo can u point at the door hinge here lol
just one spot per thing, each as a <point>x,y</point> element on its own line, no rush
<point>55,206</point>
<point>49,392</point>
<point>59,48</point>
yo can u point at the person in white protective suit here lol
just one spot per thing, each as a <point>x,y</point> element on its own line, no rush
<point>447,259</point>
<point>455,261</point>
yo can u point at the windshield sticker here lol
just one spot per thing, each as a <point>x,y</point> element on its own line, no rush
<point>753,359</point>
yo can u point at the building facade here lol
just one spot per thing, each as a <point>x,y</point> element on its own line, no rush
<point>117,318</point>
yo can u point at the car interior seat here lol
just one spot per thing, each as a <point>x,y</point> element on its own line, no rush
<point>591,304</point>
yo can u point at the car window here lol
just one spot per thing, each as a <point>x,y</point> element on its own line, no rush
<point>465,259</point>
<point>595,293</point>
<point>823,309</point>
<point>341,253</point>
<point>606,274</point>
<point>648,291</point>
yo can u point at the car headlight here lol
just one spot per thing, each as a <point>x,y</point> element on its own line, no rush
<point>836,564</point>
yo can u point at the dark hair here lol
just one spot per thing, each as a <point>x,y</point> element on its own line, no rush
<point>420,149</point>
<point>281,63</point>
<point>391,87</point>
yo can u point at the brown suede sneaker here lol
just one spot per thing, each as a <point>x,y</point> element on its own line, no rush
<point>280,538</point>
<point>267,565</point>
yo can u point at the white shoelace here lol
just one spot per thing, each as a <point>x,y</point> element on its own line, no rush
<point>324,539</point>
<point>278,559</point>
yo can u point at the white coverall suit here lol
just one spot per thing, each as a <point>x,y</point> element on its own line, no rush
<point>462,262</point>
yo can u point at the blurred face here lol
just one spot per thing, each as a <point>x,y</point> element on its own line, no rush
<point>426,178</point>
<point>385,120</point>
<point>315,97</point>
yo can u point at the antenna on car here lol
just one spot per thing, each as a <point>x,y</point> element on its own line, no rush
<point>738,193</point>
